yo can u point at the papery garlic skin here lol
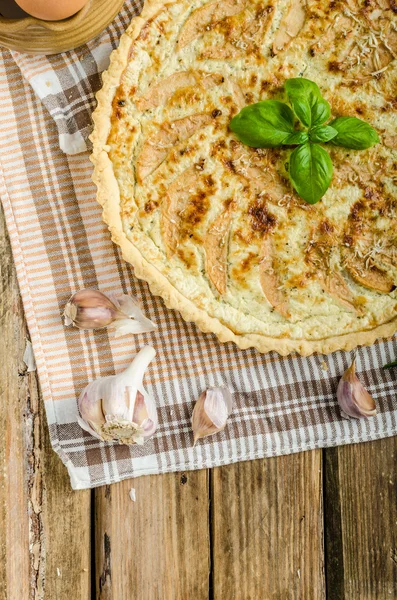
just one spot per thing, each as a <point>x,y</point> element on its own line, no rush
<point>92,309</point>
<point>211,412</point>
<point>118,407</point>
<point>28,357</point>
<point>89,309</point>
<point>354,400</point>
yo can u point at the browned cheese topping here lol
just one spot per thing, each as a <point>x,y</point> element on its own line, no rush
<point>225,213</point>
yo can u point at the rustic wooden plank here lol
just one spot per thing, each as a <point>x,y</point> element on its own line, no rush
<point>14,522</point>
<point>361,521</point>
<point>65,525</point>
<point>267,529</point>
<point>156,548</point>
<point>44,525</point>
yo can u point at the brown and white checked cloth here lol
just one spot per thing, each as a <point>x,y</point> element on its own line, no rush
<point>60,245</point>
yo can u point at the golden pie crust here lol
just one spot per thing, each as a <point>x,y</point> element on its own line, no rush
<point>214,226</point>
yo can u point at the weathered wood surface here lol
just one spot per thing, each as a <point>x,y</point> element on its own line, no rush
<point>361,521</point>
<point>250,531</point>
<point>267,529</point>
<point>158,547</point>
<point>44,526</point>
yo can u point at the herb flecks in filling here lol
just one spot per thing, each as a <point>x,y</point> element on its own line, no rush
<point>221,221</point>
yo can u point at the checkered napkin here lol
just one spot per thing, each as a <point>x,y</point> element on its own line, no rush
<point>281,405</point>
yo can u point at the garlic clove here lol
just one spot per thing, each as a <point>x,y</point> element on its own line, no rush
<point>140,410</point>
<point>211,412</point>
<point>144,414</point>
<point>89,428</point>
<point>354,400</point>
<point>136,322</point>
<point>201,424</point>
<point>89,309</point>
<point>118,407</point>
<point>91,410</point>
<point>92,309</point>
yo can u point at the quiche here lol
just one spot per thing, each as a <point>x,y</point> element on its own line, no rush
<point>215,226</point>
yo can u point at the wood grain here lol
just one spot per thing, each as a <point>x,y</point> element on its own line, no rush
<point>361,521</point>
<point>265,538</point>
<point>44,525</point>
<point>267,529</point>
<point>66,527</point>
<point>15,568</point>
<point>156,548</point>
<point>52,37</point>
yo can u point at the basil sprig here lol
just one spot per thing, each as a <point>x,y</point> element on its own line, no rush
<point>354,133</point>
<point>271,124</point>
<point>322,133</point>
<point>312,169</point>
<point>307,102</point>
<point>390,365</point>
<point>265,124</point>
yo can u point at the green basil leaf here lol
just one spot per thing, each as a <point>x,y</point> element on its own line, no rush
<point>307,102</point>
<point>265,124</point>
<point>322,133</point>
<point>297,138</point>
<point>390,365</point>
<point>354,133</point>
<point>310,171</point>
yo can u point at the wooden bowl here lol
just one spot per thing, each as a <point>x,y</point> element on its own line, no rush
<point>35,36</point>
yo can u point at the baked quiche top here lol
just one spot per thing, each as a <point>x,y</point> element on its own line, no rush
<point>215,226</point>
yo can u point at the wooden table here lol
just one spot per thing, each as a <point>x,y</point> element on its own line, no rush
<point>320,524</point>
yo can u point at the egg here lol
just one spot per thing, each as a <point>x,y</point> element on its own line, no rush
<point>51,10</point>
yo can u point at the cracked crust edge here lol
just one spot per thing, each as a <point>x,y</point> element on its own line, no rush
<point>108,196</point>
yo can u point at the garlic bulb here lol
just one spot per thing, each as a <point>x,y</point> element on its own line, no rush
<point>91,309</point>
<point>118,407</point>
<point>211,412</point>
<point>353,398</point>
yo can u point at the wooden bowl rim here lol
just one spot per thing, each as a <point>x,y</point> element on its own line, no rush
<point>37,42</point>
<point>15,25</point>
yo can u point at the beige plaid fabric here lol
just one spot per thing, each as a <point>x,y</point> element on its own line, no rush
<point>281,405</point>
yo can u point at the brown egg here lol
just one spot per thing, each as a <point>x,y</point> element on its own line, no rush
<point>51,10</point>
